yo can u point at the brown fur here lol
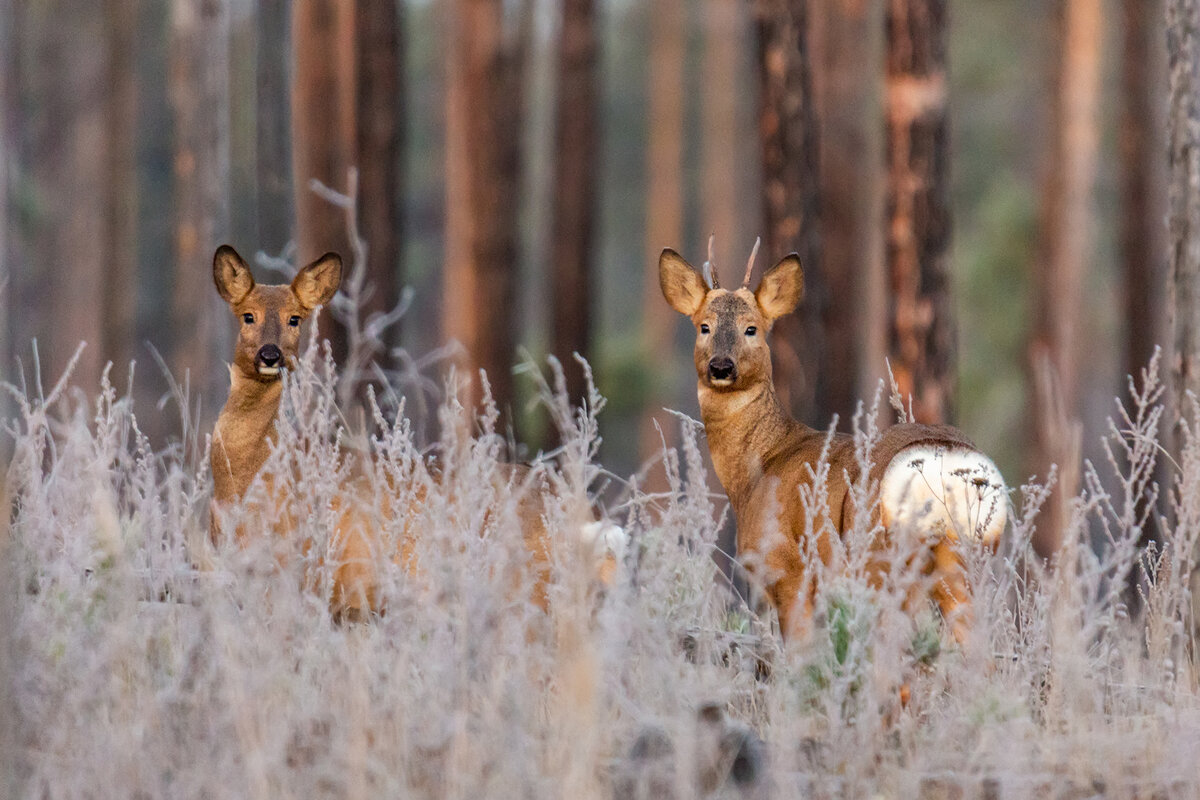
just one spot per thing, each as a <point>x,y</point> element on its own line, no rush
<point>246,426</point>
<point>761,455</point>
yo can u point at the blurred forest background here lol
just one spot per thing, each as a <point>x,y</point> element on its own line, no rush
<point>978,192</point>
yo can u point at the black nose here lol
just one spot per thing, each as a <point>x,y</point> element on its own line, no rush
<point>269,355</point>
<point>721,369</point>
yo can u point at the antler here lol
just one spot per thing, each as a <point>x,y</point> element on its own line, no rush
<point>750,263</point>
<point>710,272</point>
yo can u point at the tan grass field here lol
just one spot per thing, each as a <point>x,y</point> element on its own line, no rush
<point>138,661</point>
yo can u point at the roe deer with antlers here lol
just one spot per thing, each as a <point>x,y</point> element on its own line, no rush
<point>936,489</point>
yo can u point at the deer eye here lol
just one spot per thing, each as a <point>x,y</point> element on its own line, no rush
<point>293,320</point>
<point>751,331</point>
<point>704,328</point>
<point>248,318</point>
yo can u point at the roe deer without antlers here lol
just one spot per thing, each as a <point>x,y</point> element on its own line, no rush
<point>268,340</point>
<point>931,479</point>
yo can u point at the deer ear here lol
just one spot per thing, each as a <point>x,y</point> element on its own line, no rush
<point>317,283</point>
<point>231,275</point>
<point>681,284</point>
<point>781,289</point>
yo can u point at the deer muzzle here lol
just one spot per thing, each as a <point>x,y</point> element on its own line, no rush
<point>721,371</point>
<point>269,360</point>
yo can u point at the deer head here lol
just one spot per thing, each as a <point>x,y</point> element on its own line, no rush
<point>731,350</point>
<point>270,316</point>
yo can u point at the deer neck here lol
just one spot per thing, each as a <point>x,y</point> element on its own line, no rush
<point>241,439</point>
<point>745,430</point>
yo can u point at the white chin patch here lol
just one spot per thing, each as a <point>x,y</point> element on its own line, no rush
<point>944,491</point>
<point>721,383</point>
<point>268,372</point>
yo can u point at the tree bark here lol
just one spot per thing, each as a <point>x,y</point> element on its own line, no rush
<point>1064,253</point>
<point>664,205</point>
<point>68,128</point>
<point>575,175</point>
<point>323,132</point>
<point>787,128</point>
<point>121,185</point>
<point>380,104</point>
<point>198,89</point>
<point>483,112</point>
<point>847,44</point>
<point>1141,143</point>
<point>921,336</point>
<point>273,162</point>
<point>1183,53</point>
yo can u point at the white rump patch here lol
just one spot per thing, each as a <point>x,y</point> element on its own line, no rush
<point>944,491</point>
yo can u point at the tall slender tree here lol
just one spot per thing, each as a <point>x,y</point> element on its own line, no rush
<point>380,139</point>
<point>1183,54</point>
<point>67,135</point>
<point>787,127</point>
<point>323,130</point>
<point>921,335</point>
<point>483,112</point>
<point>575,175</point>
<point>1142,174</point>
<point>1064,253</point>
<point>121,185</point>
<point>664,196</point>
<point>199,85</point>
<point>847,45</point>
<point>273,167</point>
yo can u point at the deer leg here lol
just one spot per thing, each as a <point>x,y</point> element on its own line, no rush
<point>950,590</point>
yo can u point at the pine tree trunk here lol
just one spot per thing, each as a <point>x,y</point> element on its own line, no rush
<point>921,337</point>
<point>1065,249</point>
<point>787,128</point>
<point>121,186</point>
<point>483,112</point>
<point>9,155</point>
<point>1141,145</point>
<point>847,40</point>
<point>198,89</point>
<point>572,240</point>
<point>323,132</point>
<point>664,208</point>
<point>68,141</point>
<point>273,157</point>
<point>380,146</point>
<point>1183,53</point>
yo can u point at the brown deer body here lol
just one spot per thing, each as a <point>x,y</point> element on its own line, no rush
<point>268,340</point>
<point>935,487</point>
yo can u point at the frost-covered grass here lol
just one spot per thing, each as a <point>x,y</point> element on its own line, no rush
<point>137,660</point>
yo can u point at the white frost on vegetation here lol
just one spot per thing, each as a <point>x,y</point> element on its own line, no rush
<point>126,670</point>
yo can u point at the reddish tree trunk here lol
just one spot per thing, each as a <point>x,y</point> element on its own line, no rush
<point>921,336</point>
<point>574,190</point>
<point>664,205</point>
<point>380,139</point>
<point>787,127</point>
<point>323,131</point>
<point>273,166</point>
<point>1142,242</point>
<point>1065,249</point>
<point>483,111</point>
<point>847,41</point>
<point>199,85</point>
